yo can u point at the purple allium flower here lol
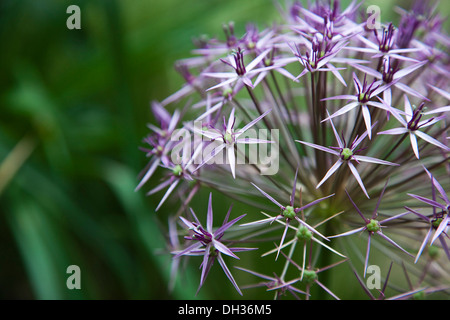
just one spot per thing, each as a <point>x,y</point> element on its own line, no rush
<point>365,93</point>
<point>414,122</point>
<point>373,226</point>
<point>209,244</point>
<point>439,220</point>
<point>242,74</point>
<point>159,141</point>
<point>289,213</point>
<point>228,138</point>
<point>346,154</point>
<point>310,276</point>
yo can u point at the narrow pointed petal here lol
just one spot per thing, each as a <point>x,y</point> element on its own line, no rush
<point>432,140</point>
<point>395,131</point>
<point>257,60</point>
<point>153,165</point>
<point>214,153</point>
<point>205,265</point>
<point>187,250</point>
<point>375,211</point>
<point>231,120</point>
<point>336,135</point>
<point>358,178</point>
<point>219,232</point>
<point>268,196</point>
<point>228,273</point>
<point>374,160</point>
<point>405,71</point>
<point>247,140</point>
<point>209,216</point>
<point>282,240</point>
<point>367,120</point>
<point>224,83</point>
<point>356,208</point>
<point>424,242</point>
<point>344,234</point>
<point>393,243</point>
<point>343,110</point>
<point>366,261</point>
<point>327,290</point>
<point>220,75</point>
<point>330,172</point>
<point>167,194</point>
<point>316,146</point>
<point>428,201</point>
<point>232,160</point>
<point>223,248</point>
<point>252,123</point>
<point>414,145</point>
<point>438,186</point>
<point>442,226</point>
<point>312,203</point>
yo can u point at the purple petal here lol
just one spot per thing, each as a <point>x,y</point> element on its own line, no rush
<point>442,226</point>
<point>357,209</point>
<point>219,232</point>
<point>251,123</point>
<point>432,140</point>
<point>282,239</point>
<point>428,201</point>
<point>414,144</point>
<point>268,196</point>
<point>367,120</point>
<point>424,242</point>
<point>167,194</point>
<point>228,273</point>
<point>374,160</point>
<point>209,216</point>
<point>358,178</point>
<point>316,146</point>
<point>343,110</point>
<point>312,203</point>
<point>330,172</point>
<point>393,243</point>
<point>366,261</point>
<point>187,251</point>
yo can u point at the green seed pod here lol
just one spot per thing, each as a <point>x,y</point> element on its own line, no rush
<point>289,212</point>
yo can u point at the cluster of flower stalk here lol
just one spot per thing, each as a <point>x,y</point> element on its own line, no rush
<point>359,121</point>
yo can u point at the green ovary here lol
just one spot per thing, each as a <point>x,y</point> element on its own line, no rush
<point>346,153</point>
<point>304,233</point>
<point>177,170</point>
<point>309,276</point>
<point>228,138</point>
<point>373,226</point>
<point>289,212</point>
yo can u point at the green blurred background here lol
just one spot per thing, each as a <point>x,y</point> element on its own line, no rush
<point>75,104</point>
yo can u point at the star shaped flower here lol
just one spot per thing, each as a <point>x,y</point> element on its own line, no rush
<point>208,243</point>
<point>288,213</point>
<point>346,155</point>
<point>363,99</point>
<point>242,74</point>
<point>228,138</point>
<point>414,122</point>
<point>373,226</point>
<point>439,220</point>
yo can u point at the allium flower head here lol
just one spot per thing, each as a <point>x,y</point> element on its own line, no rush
<point>355,113</point>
